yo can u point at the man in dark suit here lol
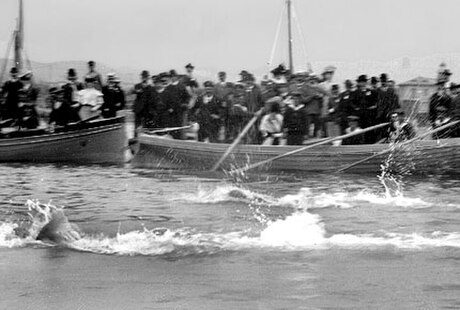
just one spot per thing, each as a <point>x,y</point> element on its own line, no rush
<point>144,102</point>
<point>10,91</point>
<point>364,103</point>
<point>70,95</point>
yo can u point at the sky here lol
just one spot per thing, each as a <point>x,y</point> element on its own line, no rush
<point>230,34</point>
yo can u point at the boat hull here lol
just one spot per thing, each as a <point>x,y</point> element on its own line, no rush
<point>427,156</point>
<point>95,142</point>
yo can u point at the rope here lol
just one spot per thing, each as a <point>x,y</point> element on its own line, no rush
<point>10,43</point>
<point>278,29</point>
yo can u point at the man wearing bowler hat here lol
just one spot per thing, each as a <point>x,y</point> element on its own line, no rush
<point>364,103</point>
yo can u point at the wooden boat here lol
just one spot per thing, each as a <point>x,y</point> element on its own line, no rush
<point>425,156</point>
<point>101,141</point>
<point>86,142</point>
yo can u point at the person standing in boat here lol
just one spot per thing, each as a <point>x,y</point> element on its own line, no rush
<point>333,117</point>
<point>387,100</point>
<point>364,102</point>
<point>207,114</point>
<point>10,91</point>
<point>222,91</point>
<point>177,98</point>
<point>455,104</point>
<point>90,100</point>
<point>271,125</point>
<point>144,92</point>
<point>345,108</point>
<point>62,113</point>
<point>28,95</point>
<point>96,76</point>
<point>295,119</point>
<point>440,104</point>
<point>312,97</point>
<point>326,86</point>
<point>113,97</point>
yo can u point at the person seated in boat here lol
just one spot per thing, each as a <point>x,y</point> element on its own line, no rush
<point>28,94</point>
<point>90,100</point>
<point>93,74</point>
<point>271,125</point>
<point>113,97</point>
<point>71,89</point>
<point>353,127</point>
<point>10,91</point>
<point>207,114</point>
<point>295,119</point>
<point>400,129</point>
<point>62,113</point>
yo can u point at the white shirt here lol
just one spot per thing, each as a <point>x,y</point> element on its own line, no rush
<point>91,97</point>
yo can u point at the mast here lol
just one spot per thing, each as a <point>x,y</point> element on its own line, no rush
<point>19,40</point>
<point>291,62</point>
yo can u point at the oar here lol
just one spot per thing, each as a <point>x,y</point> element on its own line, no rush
<point>6,122</point>
<point>92,118</point>
<point>327,141</point>
<point>398,144</point>
<point>168,129</point>
<point>238,139</point>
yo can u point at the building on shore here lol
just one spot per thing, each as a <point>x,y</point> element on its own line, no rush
<point>414,96</point>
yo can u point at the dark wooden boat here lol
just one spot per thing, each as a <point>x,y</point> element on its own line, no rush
<point>424,156</point>
<point>101,141</point>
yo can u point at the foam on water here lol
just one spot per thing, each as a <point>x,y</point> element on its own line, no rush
<point>299,231</point>
<point>305,198</point>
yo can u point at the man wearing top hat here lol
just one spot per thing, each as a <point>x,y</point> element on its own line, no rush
<point>70,95</point>
<point>10,91</point>
<point>364,103</point>
<point>387,100</point>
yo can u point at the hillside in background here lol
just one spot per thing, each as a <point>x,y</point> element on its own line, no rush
<point>400,70</point>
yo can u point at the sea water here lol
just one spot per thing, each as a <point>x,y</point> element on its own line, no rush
<point>161,239</point>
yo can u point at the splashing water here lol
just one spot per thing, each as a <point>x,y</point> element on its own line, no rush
<point>295,232</point>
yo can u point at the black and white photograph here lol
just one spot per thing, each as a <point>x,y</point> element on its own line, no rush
<point>230,155</point>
